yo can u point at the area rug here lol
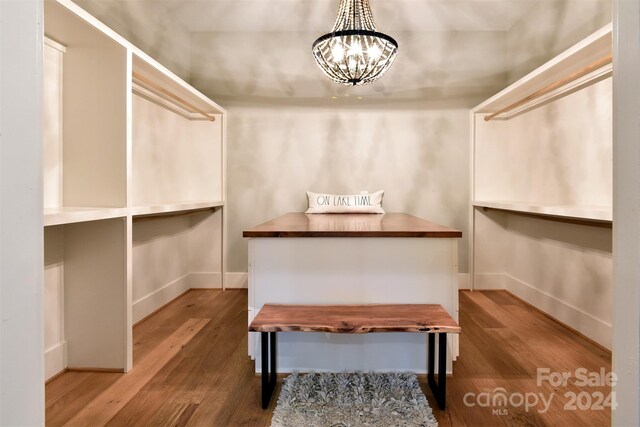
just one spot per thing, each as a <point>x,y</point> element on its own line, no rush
<point>352,399</point>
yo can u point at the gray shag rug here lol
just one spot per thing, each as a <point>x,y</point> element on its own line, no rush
<point>352,399</point>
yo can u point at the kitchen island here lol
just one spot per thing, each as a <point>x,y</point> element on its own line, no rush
<point>392,258</point>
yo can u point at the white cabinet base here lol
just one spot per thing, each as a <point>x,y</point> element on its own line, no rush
<point>352,271</point>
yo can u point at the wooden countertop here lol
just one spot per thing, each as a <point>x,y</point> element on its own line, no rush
<point>299,224</point>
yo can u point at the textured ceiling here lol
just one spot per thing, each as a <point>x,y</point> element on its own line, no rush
<point>451,52</point>
<point>258,51</point>
<point>318,15</point>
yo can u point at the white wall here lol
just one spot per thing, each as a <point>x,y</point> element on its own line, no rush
<point>290,129</point>
<point>419,157</point>
<point>21,247</point>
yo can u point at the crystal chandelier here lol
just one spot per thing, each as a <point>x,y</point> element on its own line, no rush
<point>354,53</point>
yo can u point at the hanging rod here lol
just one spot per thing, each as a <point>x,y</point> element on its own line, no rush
<point>165,215</point>
<point>164,91</point>
<point>553,86</point>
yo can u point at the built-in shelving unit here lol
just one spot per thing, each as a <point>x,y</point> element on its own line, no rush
<point>542,147</point>
<point>134,190</point>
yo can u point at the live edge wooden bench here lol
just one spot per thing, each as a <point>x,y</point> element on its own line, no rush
<point>431,319</point>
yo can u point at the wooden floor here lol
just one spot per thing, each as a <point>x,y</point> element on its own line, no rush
<point>191,368</point>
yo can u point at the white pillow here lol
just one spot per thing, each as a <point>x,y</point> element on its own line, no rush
<point>351,203</point>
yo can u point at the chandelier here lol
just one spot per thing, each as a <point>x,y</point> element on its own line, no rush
<point>354,53</point>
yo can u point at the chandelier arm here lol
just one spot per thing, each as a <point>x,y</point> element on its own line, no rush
<point>341,72</point>
<point>326,67</point>
<point>345,76</point>
<point>364,70</point>
<point>370,68</point>
<point>390,58</point>
<point>322,61</point>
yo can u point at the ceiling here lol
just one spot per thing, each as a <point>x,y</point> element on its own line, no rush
<point>318,15</point>
<point>452,52</point>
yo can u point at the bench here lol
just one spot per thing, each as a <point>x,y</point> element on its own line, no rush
<point>431,319</point>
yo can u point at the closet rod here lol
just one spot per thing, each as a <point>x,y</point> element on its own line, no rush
<point>164,215</point>
<point>164,91</point>
<point>555,85</point>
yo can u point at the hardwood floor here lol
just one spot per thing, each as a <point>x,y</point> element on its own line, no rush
<point>191,368</point>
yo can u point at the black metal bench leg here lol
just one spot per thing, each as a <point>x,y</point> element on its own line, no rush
<point>439,389</point>
<point>269,372</point>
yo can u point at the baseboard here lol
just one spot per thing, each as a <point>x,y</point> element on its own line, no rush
<point>150,303</point>
<point>205,280</point>
<point>55,360</point>
<point>55,376</point>
<point>237,280</point>
<point>463,281</point>
<point>489,281</point>
<point>584,323</point>
<point>91,369</point>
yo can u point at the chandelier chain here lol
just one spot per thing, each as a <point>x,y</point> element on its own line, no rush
<point>354,15</point>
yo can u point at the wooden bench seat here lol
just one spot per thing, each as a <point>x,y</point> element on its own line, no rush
<point>431,319</point>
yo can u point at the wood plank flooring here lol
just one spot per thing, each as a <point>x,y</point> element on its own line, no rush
<point>191,368</point>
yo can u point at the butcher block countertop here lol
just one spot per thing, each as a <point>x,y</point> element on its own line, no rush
<point>299,224</point>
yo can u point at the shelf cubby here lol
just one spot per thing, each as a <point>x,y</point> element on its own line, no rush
<point>181,252</point>
<point>85,73</point>
<point>86,296</point>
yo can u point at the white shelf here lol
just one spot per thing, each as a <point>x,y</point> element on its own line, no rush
<point>591,49</point>
<point>173,207</point>
<point>70,215</point>
<point>585,213</point>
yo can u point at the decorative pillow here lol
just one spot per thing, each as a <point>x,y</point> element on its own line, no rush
<point>351,203</point>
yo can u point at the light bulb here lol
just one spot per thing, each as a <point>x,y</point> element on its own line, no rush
<point>355,49</point>
<point>374,53</point>
<point>337,52</point>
